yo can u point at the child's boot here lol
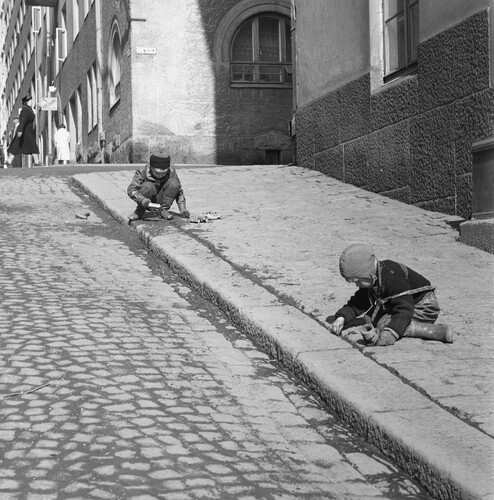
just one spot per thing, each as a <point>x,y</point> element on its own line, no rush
<point>166,203</point>
<point>137,214</point>
<point>429,331</point>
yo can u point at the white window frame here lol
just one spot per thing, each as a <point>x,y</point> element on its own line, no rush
<point>36,19</point>
<point>61,46</point>
<point>95,94</point>
<point>89,103</point>
<point>398,28</point>
<point>76,22</point>
<point>92,99</point>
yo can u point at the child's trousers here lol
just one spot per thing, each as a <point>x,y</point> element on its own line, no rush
<point>426,311</point>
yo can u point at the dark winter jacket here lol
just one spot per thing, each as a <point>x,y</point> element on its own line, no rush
<point>392,278</point>
<point>145,175</point>
<point>26,144</point>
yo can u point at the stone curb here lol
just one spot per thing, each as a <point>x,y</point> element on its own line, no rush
<point>446,455</point>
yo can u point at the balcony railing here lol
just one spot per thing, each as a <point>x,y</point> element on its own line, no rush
<point>262,73</point>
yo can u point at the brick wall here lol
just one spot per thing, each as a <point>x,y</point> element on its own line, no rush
<point>118,119</point>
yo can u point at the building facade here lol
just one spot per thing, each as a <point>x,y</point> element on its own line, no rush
<point>391,95</point>
<point>17,65</point>
<point>209,81</point>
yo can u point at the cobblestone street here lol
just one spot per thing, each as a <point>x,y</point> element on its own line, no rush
<point>117,382</point>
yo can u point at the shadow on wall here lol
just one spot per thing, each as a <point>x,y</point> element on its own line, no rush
<point>251,116</point>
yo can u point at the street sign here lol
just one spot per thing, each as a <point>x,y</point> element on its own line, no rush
<point>48,103</point>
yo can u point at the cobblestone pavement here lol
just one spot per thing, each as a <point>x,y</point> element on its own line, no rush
<point>117,382</point>
<point>286,229</point>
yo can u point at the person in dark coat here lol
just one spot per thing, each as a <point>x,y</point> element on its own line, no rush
<point>157,183</point>
<point>397,301</point>
<point>24,141</point>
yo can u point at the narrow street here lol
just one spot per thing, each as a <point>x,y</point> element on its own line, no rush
<point>118,381</point>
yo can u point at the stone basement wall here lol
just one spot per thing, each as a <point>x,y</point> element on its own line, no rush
<point>412,140</point>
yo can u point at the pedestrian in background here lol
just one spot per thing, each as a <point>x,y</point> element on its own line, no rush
<point>8,161</point>
<point>24,141</point>
<point>13,129</point>
<point>157,183</point>
<point>397,301</point>
<point>62,143</point>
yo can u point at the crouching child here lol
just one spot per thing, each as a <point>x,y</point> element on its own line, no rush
<point>396,301</point>
<point>157,183</point>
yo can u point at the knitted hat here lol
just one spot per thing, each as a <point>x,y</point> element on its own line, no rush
<point>357,261</point>
<point>159,165</point>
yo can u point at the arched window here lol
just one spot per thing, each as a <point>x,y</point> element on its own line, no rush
<point>115,60</point>
<point>261,51</point>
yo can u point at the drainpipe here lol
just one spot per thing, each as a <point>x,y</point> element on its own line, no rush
<point>99,78</point>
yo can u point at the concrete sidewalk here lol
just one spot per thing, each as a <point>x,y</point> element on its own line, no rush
<point>271,263</point>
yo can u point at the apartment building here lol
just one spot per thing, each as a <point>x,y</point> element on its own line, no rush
<point>16,67</point>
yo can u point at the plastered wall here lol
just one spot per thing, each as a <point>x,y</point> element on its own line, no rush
<point>410,140</point>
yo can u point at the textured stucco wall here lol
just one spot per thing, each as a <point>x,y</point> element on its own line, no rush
<point>173,90</point>
<point>182,99</point>
<point>411,140</point>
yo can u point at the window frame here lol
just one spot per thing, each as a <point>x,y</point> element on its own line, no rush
<point>256,64</point>
<point>115,67</point>
<point>60,47</point>
<point>89,102</point>
<point>94,92</point>
<point>409,65</point>
<point>76,19</point>
<point>92,98</point>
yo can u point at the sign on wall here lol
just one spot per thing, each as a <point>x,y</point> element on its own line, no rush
<point>150,51</point>
<point>48,103</point>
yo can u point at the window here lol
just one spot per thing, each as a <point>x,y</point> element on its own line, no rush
<point>79,114</point>
<point>75,120</point>
<point>261,51</point>
<point>115,66</point>
<point>401,30</point>
<point>89,104</point>
<point>75,18</point>
<point>61,39</point>
<point>61,44</point>
<point>92,98</point>
<point>272,156</point>
<point>36,19</point>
